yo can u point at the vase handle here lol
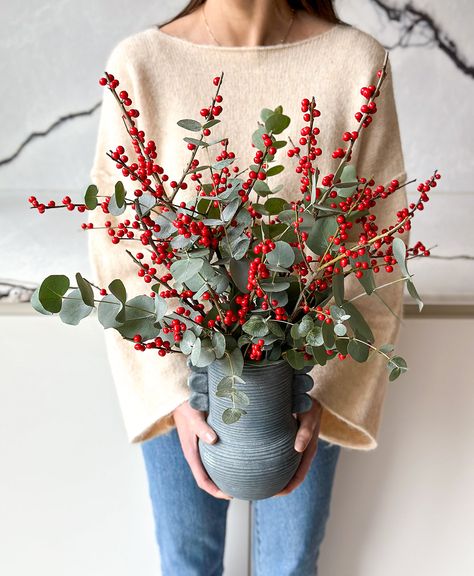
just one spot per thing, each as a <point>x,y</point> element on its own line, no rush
<point>302,383</point>
<point>198,383</point>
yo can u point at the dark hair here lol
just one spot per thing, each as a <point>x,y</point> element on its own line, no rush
<point>322,8</point>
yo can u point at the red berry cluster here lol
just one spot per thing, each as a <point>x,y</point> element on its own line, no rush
<point>255,351</point>
<point>188,226</point>
<point>177,328</point>
<point>257,269</point>
<point>368,92</point>
<point>264,247</point>
<point>66,203</point>
<point>245,305</point>
<point>307,138</point>
<point>163,346</point>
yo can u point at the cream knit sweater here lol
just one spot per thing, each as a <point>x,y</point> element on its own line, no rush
<point>169,79</point>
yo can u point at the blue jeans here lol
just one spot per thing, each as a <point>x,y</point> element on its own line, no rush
<point>287,531</point>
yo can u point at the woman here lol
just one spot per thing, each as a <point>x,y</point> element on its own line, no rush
<point>272,52</point>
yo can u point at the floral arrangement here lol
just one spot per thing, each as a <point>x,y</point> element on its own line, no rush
<point>237,273</point>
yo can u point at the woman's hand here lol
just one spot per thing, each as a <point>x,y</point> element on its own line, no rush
<point>306,441</point>
<point>191,424</point>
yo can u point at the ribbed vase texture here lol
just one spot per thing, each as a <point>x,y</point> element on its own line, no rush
<point>254,458</point>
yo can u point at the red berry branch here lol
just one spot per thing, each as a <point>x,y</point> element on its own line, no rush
<point>249,274</point>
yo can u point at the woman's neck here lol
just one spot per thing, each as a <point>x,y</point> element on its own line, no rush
<point>246,23</point>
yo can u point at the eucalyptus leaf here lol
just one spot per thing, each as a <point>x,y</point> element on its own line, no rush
<point>232,415</point>
<point>141,306</point>
<point>146,202</point>
<point>328,335</point>
<point>255,326</point>
<point>206,354</point>
<point>192,125</point>
<point>414,294</point>
<point>73,309</point>
<point>340,329</point>
<point>275,205</point>
<point>187,342</point>
<point>357,321</point>
<point>282,255</point>
<point>218,342</point>
<point>315,336</point>
<point>87,293</point>
<point>196,142</point>
<point>51,291</point>
<point>295,358</point>
<point>358,350</point>
<point>161,307</point>
<point>239,272</point>
<point>117,205</point>
<point>183,270</point>
<point>90,197</point>
<point>271,287</point>
<point>36,304</point>
<point>322,229</point>
<point>232,363</point>
<point>338,288</point>
<point>276,123</point>
<point>108,310</point>
<point>274,170</point>
<point>399,252</point>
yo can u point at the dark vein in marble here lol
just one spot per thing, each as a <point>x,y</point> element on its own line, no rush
<point>56,124</point>
<point>415,23</point>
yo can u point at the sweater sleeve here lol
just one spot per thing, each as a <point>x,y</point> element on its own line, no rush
<point>148,387</point>
<point>351,393</point>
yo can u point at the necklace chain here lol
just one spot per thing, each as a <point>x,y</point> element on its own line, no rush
<point>283,40</point>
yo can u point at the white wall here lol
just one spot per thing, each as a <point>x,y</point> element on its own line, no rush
<point>73,493</point>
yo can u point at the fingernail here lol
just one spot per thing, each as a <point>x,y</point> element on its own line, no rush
<point>210,437</point>
<point>299,446</point>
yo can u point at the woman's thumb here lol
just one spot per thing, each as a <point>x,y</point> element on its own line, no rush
<point>205,432</point>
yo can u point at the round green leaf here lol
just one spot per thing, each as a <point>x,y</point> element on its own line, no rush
<point>232,415</point>
<point>283,255</point>
<point>240,397</point>
<point>51,291</point>
<point>36,304</point>
<point>187,343</point>
<point>358,350</point>
<point>203,353</point>
<point>185,269</point>
<point>108,310</point>
<point>315,337</point>
<point>231,363</point>
<point>73,309</point>
<point>295,359</point>
<point>277,123</point>
<point>340,329</point>
<point>256,326</point>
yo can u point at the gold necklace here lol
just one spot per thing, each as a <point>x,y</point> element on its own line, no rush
<point>293,13</point>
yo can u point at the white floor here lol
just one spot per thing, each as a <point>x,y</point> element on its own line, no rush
<point>73,495</point>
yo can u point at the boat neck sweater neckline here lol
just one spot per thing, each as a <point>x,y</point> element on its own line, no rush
<point>248,49</point>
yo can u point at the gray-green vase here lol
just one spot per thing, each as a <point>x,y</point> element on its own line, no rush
<point>254,458</point>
